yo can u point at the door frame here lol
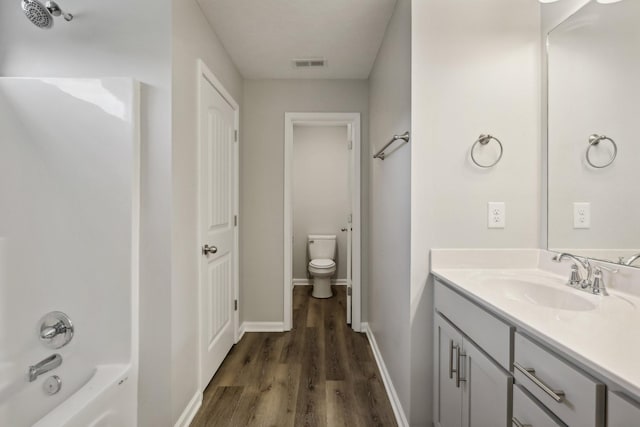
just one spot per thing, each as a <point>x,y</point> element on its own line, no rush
<point>323,119</point>
<point>204,73</point>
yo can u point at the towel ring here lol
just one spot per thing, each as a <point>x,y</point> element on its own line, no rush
<point>595,140</point>
<point>484,140</point>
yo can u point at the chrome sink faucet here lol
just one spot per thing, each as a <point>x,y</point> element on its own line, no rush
<point>594,283</point>
<point>576,278</point>
<point>632,259</point>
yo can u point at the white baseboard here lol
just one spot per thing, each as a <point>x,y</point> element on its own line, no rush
<point>401,418</point>
<point>305,282</point>
<point>190,411</point>
<point>261,327</point>
<point>241,332</point>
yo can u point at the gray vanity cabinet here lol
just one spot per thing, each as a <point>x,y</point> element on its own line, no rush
<point>471,390</point>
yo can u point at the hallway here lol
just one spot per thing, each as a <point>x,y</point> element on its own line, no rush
<point>321,373</point>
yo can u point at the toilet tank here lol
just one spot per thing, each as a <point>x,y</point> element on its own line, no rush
<point>322,246</point>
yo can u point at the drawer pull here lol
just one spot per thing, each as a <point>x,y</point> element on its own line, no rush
<point>517,423</point>
<point>530,373</point>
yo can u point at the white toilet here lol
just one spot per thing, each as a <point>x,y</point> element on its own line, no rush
<point>322,253</point>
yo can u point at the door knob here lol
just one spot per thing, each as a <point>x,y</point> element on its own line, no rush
<point>206,250</point>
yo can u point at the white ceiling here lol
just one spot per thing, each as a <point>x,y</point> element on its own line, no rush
<point>263,36</point>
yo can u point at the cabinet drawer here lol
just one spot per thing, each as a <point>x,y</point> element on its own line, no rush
<point>621,411</point>
<point>579,398</point>
<point>490,333</point>
<point>527,412</point>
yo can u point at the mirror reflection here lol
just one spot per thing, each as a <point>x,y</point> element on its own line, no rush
<point>594,133</point>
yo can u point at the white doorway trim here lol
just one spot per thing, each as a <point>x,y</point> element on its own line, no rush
<point>205,74</point>
<point>322,119</point>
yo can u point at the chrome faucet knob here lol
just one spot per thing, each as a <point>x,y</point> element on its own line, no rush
<point>575,278</point>
<point>56,330</point>
<point>52,331</point>
<point>598,288</point>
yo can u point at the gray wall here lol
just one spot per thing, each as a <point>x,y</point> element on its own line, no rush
<point>389,201</point>
<point>99,43</point>
<point>475,69</point>
<point>321,196</point>
<point>192,38</point>
<point>262,180</point>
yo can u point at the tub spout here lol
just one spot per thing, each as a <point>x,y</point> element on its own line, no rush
<point>44,366</point>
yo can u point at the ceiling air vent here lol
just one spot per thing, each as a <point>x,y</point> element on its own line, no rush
<point>309,63</point>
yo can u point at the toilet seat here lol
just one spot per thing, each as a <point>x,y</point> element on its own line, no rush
<point>322,264</point>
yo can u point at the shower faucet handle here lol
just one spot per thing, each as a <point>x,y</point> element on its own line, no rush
<point>56,329</point>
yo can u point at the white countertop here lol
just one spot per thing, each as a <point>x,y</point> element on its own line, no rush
<point>605,339</point>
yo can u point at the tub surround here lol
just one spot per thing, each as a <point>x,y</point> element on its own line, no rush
<point>69,180</point>
<point>593,332</point>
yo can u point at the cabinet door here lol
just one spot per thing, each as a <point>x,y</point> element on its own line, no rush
<point>487,390</point>
<point>622,412</point>
<point>447,396</point>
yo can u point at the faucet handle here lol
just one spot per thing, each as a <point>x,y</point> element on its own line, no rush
<point>575,278</point>
<point>598,287</point>
<point>55,330</point>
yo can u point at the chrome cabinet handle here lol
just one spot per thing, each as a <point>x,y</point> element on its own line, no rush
<point>530,373</point>
<point>517,423</point>
<point>451,370</point>
<point>458,379</point>
<point>206,250</point>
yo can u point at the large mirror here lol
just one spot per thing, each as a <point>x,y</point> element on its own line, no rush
<point>594,132</point>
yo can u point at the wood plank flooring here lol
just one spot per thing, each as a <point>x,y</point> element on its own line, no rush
<point>321,373</point>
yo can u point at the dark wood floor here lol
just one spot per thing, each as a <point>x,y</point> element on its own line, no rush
<point>321,373</point>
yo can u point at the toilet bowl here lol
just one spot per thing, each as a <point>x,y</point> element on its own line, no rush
<point>322,251</point>
<point>322,270</point>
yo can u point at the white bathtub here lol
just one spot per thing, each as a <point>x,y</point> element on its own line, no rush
<point>106,400</point>
<point>104,397</point>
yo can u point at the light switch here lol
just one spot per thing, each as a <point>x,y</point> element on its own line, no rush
<point>582,215</point>
<point>497,215</point>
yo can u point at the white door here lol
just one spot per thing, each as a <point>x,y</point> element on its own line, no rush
<point>349,227</point>
<point>216,229</point>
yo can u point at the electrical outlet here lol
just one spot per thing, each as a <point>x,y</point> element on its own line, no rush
<point>497,215</point>
<point>582,215</point>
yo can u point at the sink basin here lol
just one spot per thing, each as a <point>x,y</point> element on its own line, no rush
<point>541,294</point>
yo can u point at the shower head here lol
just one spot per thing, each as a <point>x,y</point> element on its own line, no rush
<point>37,13</point>
<point>42,15</point>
